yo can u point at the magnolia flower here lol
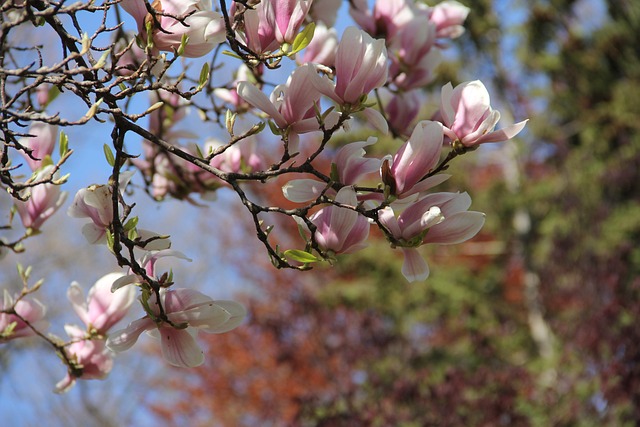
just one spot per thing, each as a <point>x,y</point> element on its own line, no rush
<point>234,158</point>
<point>438,218</point>
<point>402,110</point>
<point>291,105</point>
<point>341,230</point>
<point>361,66</point>
<point>103,308</point>
<point>405,174</point>
<point>42,202</point>
<point>90,355</point>
<point>41,143</point>
<point>12,326</point>
<point>414,58</point>
<point>96,202</point>
<point>259,27</point>
<point>468,117</point>
<point>288,16</point>
<point>448,16</point>
<point>386,18</point>
<point>93,202</point>
<point>322,49</point>
<point>188,311</point>
<point>203,27</point>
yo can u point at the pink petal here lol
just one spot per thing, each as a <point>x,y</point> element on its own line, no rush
<point>414,268</point>
<point>503,134</point>
<point>456,228</point>
<point>180,349</point>
<point>125,338</point>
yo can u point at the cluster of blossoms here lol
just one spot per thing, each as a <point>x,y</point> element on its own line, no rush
<point>394,53</point>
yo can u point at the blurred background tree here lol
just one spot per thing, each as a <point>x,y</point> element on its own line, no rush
<point>534,322</point>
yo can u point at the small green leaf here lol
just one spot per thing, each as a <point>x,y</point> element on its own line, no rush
<point>103,59</point>
<point>109,235</point>
<point>8,330</point>
<point>108,154</point>
<point>334,173</point>
<point>132,234</point>
<point>53,94</point>
<point>131,224</point>
<point>204,75</point>
<point>64,143</point>
<point>274,128</point>
<point>183,43</point>
<point>303,38</point>
<point>231,54</point>
<point>300,256</point>
<point>199,151</point>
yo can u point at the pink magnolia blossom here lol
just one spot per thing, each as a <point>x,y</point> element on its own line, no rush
<point>438,218</point>
<point>90,355</point>
<point>95,202</point>
<point>323,46</point>
<point>413,161</point>
<point>414,57</point>
<point>259,27</point>
<point>341,230</point>
<point>468,117</point>
<point>29,309</point>
<point>102,308</point>
<point>291,105</point>
<point>402,110</point>
<point>386,18</point>
<point>204,27</point>
<point>41,143</point>
<point>288,16</point>
<point>361,66</point>
<point>43,200</point>
<point>189,311</point>
<point>242,155</point>
<point>448,16</point>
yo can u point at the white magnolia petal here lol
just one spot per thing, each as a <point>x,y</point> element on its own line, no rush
<point>75,294</point>
<point>125,338</point>
<point>303,190</point>
<point>503,134</point>
<point>456,228</point>
<point>414,268</point>
<point>376,120</point>
<point>236,314</point>
<point>180,349</point>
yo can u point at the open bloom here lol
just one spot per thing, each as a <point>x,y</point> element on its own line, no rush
<point>291,105</point>
<point>341,230</point>
<point>103,308</point>
<point>12,326</point>
<point>468,117</point>
<point>96,202</point>
<point>188,311</point>
<point>204,27</point>
<point>90,355</point>
<point>322,49</point>
<point>43,200</point>
<point>438,218</point>
<point>41,144</point>
<point>448,16</point>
